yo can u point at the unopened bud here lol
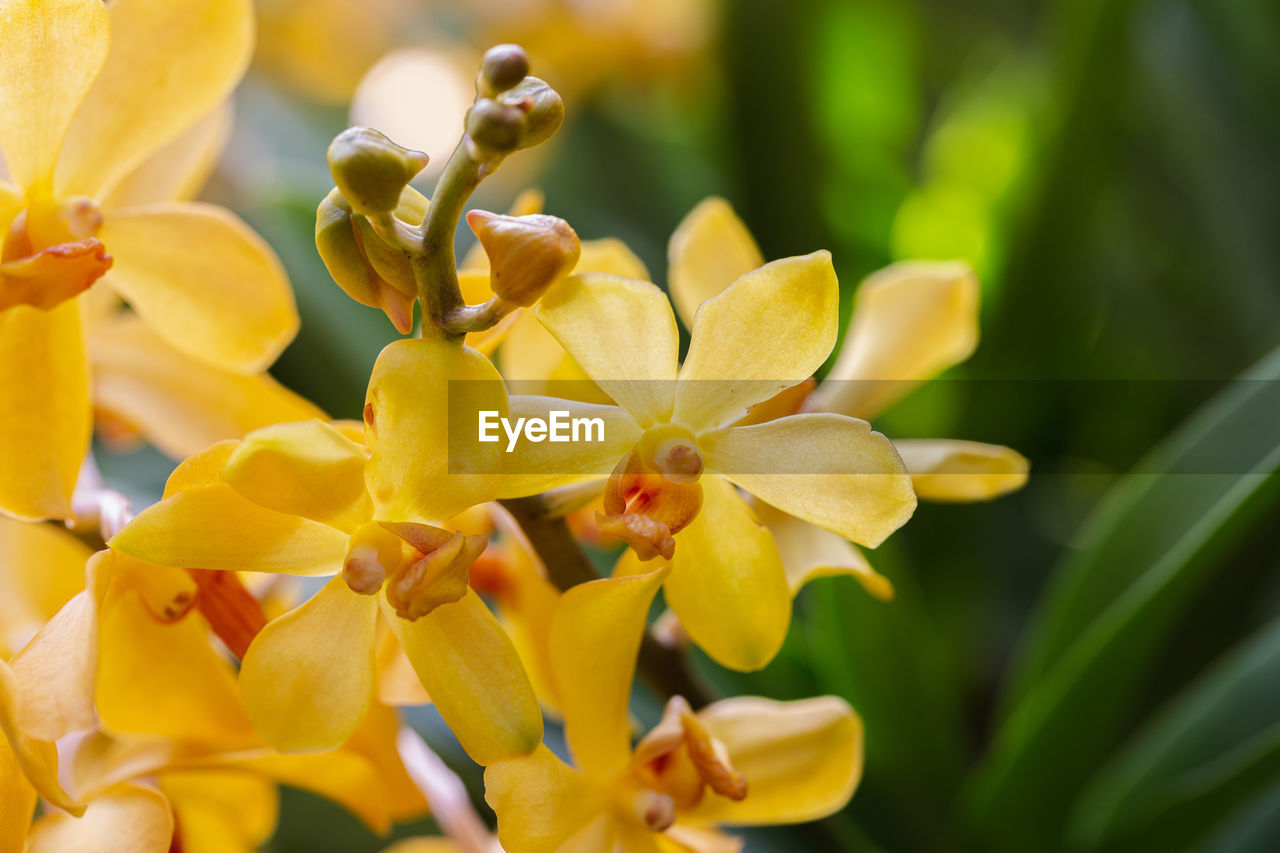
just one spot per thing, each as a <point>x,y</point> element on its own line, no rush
<point>542,106</point>
<point>371,272</point>
<point>527,254</point>
<point>504,66</point>
<point>371,170</point>
<point>495,128</point>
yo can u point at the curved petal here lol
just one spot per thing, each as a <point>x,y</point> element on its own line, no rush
<point>593,642</point>
<point>179,404</point>
<point>948,470</point>
<point>710,249</point>
<point>169,64</point>
<point>54,672</point>
<point>41,568</point>
<point>541,802</point>
<point>831,470</point>
<point>200,469</point>
<point>771,329</point>
<point>50,52</point>
<point>307,469</point>
<point>809,552</point>
<point>530,468</point>
<point>36,759</point>
<point>179,170</point>
<point>611,255</point>
<point>133,817</point>
<point>17,800</point>
<point>802,760</point>
<point>307,679</point>
<point>474,676</point>
<point>421,415</point>
<point>165,679</point>
<point>623,334</point>
<point>44,393</point>
<point>910,321</point>
<point>727,582</point>
<point>347,779</point>
<point>213,527</point>
<point>204,281</point>
<point>222,811</point>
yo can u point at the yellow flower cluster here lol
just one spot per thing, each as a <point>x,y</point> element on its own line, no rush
<point>155,692</point>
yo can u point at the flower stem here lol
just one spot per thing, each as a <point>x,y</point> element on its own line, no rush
<point>435,269</point>
<point>664,668</point>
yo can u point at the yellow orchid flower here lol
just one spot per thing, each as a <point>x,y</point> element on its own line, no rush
<point>174,760</point>
<point>88,92</point>
<point>292,499</point>
<point>910,322</point>
<point>740,761</point>
<point>771,329</point>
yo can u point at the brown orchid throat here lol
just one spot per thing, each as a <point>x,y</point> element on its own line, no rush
<point>421,566</point>
<point>654,492</point>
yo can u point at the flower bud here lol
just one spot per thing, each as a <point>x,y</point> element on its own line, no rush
<point>371,272</point>
<point>527,254</point>
<point>504,66</point>
<point>542,106</point>
<point>371,170</point>
<point>495,128</point>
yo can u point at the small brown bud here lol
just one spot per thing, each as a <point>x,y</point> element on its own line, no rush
<point>495,128</point>
<point>504,66</point>
<point>542,106</point>
<point>527,254</point>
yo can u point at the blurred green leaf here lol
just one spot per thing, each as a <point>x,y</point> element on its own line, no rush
<point>1150,546</point>
<point>1212,750</point>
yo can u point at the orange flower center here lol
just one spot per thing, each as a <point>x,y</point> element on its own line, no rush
<point>421,566</point>
<point>654,493</point>
<point>50,253</point>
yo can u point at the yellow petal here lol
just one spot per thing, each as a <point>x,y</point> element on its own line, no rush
<point>946,470</point>
<point>165,678</point>
<point>169,64</point>
<point>910,321</point>
<point>200,469</point>
<point>831,470</point>
<point>222,811</point>
<point>398,684</point>
<point>50,51</point>
<point>422,412</point>
<point>308,469</point>
<point>44,393</point>
<point>128,817</point>
<point>541,802</point>
<point>342,776</point>
<point>809,552</point>
<point>708,251</point>
<point>612,256</point>
<point>37,759</point>
<point>530,357</point>
<point>41,567</point>
<point>623,334</point>
<point>17,800</point>
<point>594,639</point>
<point>54,672</point>
<point>727,582</point>
<point>179,170</point>
<point>377,740</point>
<point>204,281</point>
<point>769,330</point>
<point>179,404</point>
<point>534,467</point>
<point>474,677</point>
<point>213,527</point>
<point>307,679</point>
<point>802,760</point>
<point>697,839</point>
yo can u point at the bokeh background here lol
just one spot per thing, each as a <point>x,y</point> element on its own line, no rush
<point>1092,663</point>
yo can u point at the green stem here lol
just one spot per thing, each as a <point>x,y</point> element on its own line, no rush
<point>436,269</point>
<point>666,669</point>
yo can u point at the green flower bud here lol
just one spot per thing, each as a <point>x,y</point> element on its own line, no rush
<point>371,170</point>
<point>496,128</point>
<point>542,106</point>
<point>371,272</point>
<point>527,254</point>
<point>504,66</point>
